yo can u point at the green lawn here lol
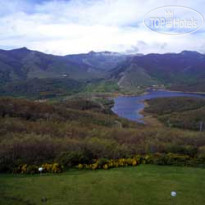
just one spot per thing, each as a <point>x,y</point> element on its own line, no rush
<point>145,184</point>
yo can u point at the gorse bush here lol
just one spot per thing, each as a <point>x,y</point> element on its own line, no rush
<point>103,163</point>
<point>52,168</point>
<point>107,164</point>
<point>34,169</point>
<point>157,158</point>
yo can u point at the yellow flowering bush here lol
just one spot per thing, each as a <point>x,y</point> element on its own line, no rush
<point>52,168</point>
<point>112,163</point>
<point>105,166</point>
<point>47,167</point>
<point>56,168</point>
<point>24,168</point>
<point>27,169</point>
<point>134,162</point>
<point>94,166</point>
<point>80,166</point>
<point>34,169</point>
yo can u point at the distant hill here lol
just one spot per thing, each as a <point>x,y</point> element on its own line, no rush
<point>22,64</point>
<point>23,71</point>
<point>185,69</point>
<point>35,74</point>
<point>102,61</point>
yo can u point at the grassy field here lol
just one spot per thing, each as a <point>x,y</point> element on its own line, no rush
<point>145,184</point>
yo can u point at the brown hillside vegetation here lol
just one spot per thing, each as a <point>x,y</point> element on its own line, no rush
<point>35,133</point>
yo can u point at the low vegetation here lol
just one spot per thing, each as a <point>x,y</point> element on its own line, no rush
<point>42,88</point>
<point>180,112</point>
<point>81,131</point>
<point>55,88</point>
<point>198,86</point>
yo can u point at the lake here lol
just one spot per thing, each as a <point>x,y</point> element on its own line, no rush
<point>129,107</point>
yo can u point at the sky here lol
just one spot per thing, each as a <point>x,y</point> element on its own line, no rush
<point>64,27</point>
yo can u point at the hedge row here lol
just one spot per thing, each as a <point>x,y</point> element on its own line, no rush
<point>157,158</point>
<point>106,164</point>
<point>172,159</point>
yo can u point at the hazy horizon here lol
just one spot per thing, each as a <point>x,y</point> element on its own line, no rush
<point>104,51</point>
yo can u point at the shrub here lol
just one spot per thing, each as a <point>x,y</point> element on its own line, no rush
<point>94,166</point>
<point>134,162</point>
<point>52,168</point>
<point>102,162</point>
<point>33,169</point>
<point>80,166</point>
<point>106,164</point>
<point>176,159</point>
<point>184,150</point>
<point>26,169</point>
<point>71,159</point>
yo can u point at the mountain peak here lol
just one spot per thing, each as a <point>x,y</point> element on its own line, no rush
<point>92,53</point>
<point>24,48</point>
<point>104,53</point>
<point>186,52</point>
<point>20,50</point>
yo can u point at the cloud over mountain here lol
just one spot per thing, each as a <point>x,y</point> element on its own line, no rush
<point>74,26</point>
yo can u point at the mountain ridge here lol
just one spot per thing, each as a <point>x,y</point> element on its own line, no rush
<point>184,70</point>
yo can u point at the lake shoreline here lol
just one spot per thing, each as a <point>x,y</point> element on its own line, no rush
<point>148,118</point>
<point>188,92</point>
<point>160,89</point>
<point>132,107</point>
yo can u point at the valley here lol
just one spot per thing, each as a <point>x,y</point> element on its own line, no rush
<point>102,102</point>
<point>99,116</point>
<point>36,75</point>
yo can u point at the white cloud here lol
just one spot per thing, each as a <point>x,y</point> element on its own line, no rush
<point>63,27</point>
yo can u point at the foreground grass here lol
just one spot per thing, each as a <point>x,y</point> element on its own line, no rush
<point>145,184</point>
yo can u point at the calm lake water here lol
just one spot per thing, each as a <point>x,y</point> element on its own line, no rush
<point>129,107</point>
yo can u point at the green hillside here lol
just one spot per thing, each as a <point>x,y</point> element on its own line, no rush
<point>127,74</point>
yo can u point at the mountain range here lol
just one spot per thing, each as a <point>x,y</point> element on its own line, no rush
<point>23,68</point>
<point>184,69</point>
